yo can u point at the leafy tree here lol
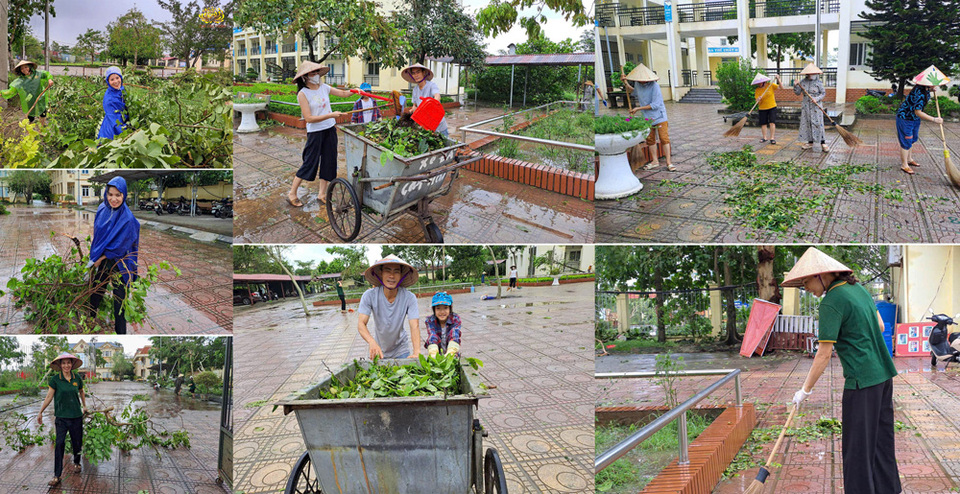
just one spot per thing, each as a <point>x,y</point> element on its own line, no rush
<point>499,15</point>
<point>466,261</point>
<point>586,41</point>
<point>28,183</point>
<point>781,44</point>
<point>440,28</point>
<point>351,261</point>
<point>30,46</point>
<point>733,79</point>
<point>121,366</point>
<point>89,43</point>
<point>19,13</point>
<point>132,37</point>
<point>304,268</point>
<point>44,351</point>
<point>187,354</point>
<point>352,29</point>
<point>543,84</point>
<point>253,259</point>
<point>189,37</point>
<point>10,351</point>
<point>908,36</point>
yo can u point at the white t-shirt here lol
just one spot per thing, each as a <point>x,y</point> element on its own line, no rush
<point>319,101</point>
<point>367,115</point>
<point>430,90</point>
<point>390,320</point>
<point>513,273</point>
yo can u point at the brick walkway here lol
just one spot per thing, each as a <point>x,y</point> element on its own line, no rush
<point>539,416</point>
<point>479,208</point>
<point>199,301</point>
<point>184,470</point>
<point>687,206</point>
<point>928,456</point>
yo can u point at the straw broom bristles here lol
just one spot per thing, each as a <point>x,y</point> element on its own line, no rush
<point>845,134</point>
<point>952,172</point>
<point>756,487</point>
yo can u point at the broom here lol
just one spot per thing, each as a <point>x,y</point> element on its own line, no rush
<point>756,487</point>
<point>737,127</point>
<point>952,170</point>
<point>845,134</point>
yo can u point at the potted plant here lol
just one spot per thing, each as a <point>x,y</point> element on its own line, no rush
<point>549,259</point>
<point>248,106</point>
<point>614,135</point>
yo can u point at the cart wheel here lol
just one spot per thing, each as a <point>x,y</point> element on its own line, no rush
<point>493,478</point>
<point>301,479</point>
<point>434,235</point>
<point>343,209</point>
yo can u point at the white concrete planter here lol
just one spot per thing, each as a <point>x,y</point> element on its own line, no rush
<point>616,179</point>
<point>248,116</point>
<point>556,280</point>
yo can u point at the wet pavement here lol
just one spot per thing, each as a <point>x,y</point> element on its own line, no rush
<point>183,470</point>
<point>686,206</point>
<point>199,301</point>
<point>539,416</point>
<point>928,452</point>
<point>478,209</point>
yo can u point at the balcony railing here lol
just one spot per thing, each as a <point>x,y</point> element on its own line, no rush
<point>790,76</point>
<point>702,12</point>
<point>629,16</point>
<point>271,50</point>
<point>782,8</point>
<point>255,50</point>
<point>335,79</point>
<point>289,47</point>
<point>242,53</point>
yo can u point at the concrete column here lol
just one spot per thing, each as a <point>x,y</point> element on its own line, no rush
<point>825,51</point>
<point>791,301</point>
<point>621,49</point>
<point>703,61</point>
<point>843,57</point>
<point>623,314</point>
<point>262,57</point>
<point>743,29</point>
<point>716,310</point>
<point>674,54</point>
<point>762,50</point>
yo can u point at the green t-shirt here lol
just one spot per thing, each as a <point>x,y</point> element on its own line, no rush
<point>339,291</point>
<point>848,318</point>
<point>66,395</point>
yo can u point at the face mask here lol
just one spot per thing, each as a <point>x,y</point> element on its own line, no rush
<point>314,79</point>
<point>812,77</point>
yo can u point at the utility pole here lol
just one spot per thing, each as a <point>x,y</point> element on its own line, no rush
<point>4,50</point>
<point>46,36</point>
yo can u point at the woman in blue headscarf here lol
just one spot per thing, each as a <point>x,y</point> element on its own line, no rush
<point>114,108</point>
<point>116,240</point>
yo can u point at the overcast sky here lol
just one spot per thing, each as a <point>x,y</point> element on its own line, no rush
<point>317,253</point>
<point>556,28</point>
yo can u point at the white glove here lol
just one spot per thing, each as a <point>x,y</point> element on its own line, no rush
<point>432,350</point>
<point>453,348</point>
<point>799,396</point>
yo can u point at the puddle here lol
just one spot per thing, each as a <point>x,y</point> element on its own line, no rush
<point>692,361</point>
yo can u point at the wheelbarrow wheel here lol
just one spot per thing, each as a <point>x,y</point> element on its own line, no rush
<point>343,209</point>
<point>301,479</point>
<point>434,235</point>
<point>493,478</point>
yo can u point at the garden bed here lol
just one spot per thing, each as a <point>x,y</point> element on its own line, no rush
<point>561,125</point>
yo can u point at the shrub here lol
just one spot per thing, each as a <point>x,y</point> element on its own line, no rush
<point>617,124</point>
<point>252,74</point>
<point>947,105</point>
<point>207,379</point>
<point>69,198</point>
<point>617,84</point>
<point>734,78</point>
<point>870,105</point>
<point>3,210</point>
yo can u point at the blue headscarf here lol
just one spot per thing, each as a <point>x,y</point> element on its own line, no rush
<point>114,108</point>
<point>116,233</point>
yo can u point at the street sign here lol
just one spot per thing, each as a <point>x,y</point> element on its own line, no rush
<point>667,11</point>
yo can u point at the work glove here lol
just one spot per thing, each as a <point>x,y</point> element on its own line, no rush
<point>432,350</point>
<point>453,348</point>
<point>799,396</point>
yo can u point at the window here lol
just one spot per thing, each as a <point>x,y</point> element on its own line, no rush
<point>723,41</point>
<point>858,53</point>
<point>333,69</point>
<point>86,191</point>
<point>573,256</point>
<point>629,57</point>
<point>373,68</point>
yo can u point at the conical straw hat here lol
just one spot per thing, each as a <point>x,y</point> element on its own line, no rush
<point>77,363</point>
<point>308,67</point>
<point>642,74</point>
<point>759,79</point>
<point>931,76</point>
<point>811,69</point>
<point>812,262</point>
<point>374,276</point>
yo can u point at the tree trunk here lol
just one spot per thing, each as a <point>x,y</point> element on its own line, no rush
<point>779,56</point>
<point>658,305</point>
<point>276,257</point>
<point>767,288</point>
<point>732,337</point>
<point>496,271</point>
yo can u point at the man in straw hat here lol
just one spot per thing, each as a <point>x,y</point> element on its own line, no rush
<point>811,118</point>
<point>767,104</point>
<point>29,85</point>
<point>650,101</point>
<point>65,390</point>
<point>424,87</point>
<point>851,324</point>
<point>391,305</point>
<point>909,115</point>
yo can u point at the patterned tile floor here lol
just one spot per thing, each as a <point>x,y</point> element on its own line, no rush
<point>184,470</point>
<point>539,416</point>
<point>928,456</point>
<point>686,206</point>
<point>478,208</point>
<point>199,301</point>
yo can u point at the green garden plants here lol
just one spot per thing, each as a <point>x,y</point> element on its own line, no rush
<point>629,127</point>
<point>437,376</point>
<point>403,137</point>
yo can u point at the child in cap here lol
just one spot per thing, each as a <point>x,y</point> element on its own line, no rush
<point>443,327</point>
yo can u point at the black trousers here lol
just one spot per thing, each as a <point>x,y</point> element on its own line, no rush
<point>105,274</point>
<point>869,454</point>
<point>319,156</point>
<point>75,428</point>
<point>343,303</point>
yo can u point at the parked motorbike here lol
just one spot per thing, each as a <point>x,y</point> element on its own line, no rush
<point>222,209</point>
<point>944,345</point>
<point>145,205</point>
<point>158,207</point>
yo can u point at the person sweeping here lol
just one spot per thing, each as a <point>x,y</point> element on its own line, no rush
<point>811,118</point>
<point>767,104</point>
<point>851,325</point>
<point>31,86</point>
<point>65,390</point>
<point>909,115</point>
<point>650,102</point>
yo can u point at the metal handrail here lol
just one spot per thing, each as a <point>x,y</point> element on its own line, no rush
<point>680,412</point>
<point>472,128</point>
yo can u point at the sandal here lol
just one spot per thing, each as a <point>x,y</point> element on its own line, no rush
<point>651,165</point>
<point>297,204</point>
<point>806,146</point>
<point>825,148</point>
<point>321,201</point>
<point>77,468</point>
<point>54,482</point>
<point>671,168</point>
<point>763,140</point>
<point>773,141</point>
<point>913,163</point>
<point>907,170</point>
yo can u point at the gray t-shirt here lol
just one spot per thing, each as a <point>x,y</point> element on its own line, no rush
<point>390,327</point>
<point>430,90</point>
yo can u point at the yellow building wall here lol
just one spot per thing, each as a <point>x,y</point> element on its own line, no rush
<point>204,193</point>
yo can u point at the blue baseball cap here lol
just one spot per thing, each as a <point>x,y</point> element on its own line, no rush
<point>441,298</point>
<point>366,86</point>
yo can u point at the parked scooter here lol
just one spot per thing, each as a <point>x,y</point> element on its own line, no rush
<point>158,207</point>
<point>145,205</point>
<point>944,345</point>
<point>222,208</point>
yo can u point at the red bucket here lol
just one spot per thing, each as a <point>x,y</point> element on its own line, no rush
<point>429,113</point>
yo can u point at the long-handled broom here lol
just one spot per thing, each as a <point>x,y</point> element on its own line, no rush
<point>737,127</point>
<point>845,134</point>
<point>952,170</point>
<point>756,487</point>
